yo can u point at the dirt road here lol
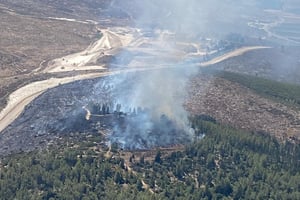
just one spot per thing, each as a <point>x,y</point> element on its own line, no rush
<point>108,44</point>
<point>231,54</point>
<point>23,96</point>
<point>20,98</point>
<point>111,41</point>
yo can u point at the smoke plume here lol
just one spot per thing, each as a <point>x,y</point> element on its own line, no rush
<point>161,93</point>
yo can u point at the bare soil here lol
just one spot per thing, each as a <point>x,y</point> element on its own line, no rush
<point>29,42</point>
<point>281,63</point>
<point>239,107</point>
<point>25,41</point>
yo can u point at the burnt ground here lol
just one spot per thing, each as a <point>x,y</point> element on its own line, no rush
<point>28,40</point>
<point>59,113</point>
<point>40,122</point>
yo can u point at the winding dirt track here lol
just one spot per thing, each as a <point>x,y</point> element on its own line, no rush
<point>232,54</point>
<point>20,98</point>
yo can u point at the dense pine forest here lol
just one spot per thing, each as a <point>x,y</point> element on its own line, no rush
<point>224,164</point>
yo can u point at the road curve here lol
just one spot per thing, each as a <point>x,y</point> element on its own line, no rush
<point>20,98</point>
<point>234,53</point>
<point>25,95</point>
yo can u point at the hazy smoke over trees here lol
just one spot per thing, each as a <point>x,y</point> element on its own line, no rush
<point>163,92</point>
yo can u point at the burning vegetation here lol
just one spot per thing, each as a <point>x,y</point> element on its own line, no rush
<point>135,129</point>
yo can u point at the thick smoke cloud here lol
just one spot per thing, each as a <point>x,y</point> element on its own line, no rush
<point>163,92</point>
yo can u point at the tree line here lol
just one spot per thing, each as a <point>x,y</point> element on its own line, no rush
<point>225,164</point>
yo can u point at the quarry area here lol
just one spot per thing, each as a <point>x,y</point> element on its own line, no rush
<point>65,72</point>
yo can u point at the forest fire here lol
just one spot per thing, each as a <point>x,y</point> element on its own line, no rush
<point>143,110</point>
<point>136,130</point>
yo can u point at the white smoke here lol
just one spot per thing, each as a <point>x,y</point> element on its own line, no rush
<point>163,92</point>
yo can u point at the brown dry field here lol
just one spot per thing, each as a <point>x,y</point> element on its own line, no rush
<point>25,42</point>
<point>83,9</point>
<point>29,38</point>
<point>239,107</point>
<point>28,42</point>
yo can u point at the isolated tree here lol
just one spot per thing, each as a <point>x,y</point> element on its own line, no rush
<point>224,188</point>
<point>118,108</point>
<point>142,160</point>
<point>103,109</point>
<point>118,178</point>
<point>158,157</point>
<point>139,185</point>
